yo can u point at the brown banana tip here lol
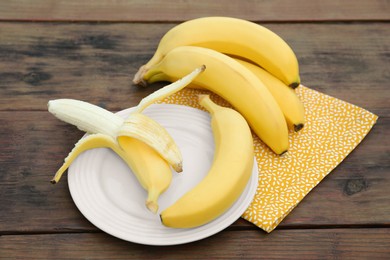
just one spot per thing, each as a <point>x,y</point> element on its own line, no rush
<point>298,127</point>
<point>179,168</point>
<point>283,152</point>
<point>53,181</point>
<point>294,85</point>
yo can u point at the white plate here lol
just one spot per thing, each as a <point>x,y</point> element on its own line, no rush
<point>110,197</point>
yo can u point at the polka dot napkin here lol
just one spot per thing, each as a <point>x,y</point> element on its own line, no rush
<point>333,129</point>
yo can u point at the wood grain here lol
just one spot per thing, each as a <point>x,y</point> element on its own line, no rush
<point>285,244</point>
<point>171,10</point>
<point>34,145</point>
<point>96,62</point>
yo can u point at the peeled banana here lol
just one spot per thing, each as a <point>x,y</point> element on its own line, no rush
<point>235,37</point>
<point>228,176</point>
<point>287,99</point>
<point>152,171</point>
<point>235,83</point>
<point>141,142</point>
<point>94,119</point>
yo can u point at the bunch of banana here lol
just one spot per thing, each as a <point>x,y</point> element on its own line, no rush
<point>228,176</point>
<point>261,95</point>
<point>141,142</point>
<point>234,37</point>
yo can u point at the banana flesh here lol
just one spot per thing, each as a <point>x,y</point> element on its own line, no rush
<point>85,116</point>
<point>287,99</point>
<point>228,176</point>
<point>232,81</point>
<point>145,146</point>
<point>94,119</point>
<point>231,36</point>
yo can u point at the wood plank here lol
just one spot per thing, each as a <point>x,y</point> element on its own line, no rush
<point>280,10</point>
<point>285,244</point>
<point>96,62</point>
<point>34,145</point>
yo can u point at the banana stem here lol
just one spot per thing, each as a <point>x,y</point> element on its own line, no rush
<point>139,76</point>
<point>205,101</point>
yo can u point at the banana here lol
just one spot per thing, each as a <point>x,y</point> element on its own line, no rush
<point>142,143</point>
<point>286,97</point>
<point>228,176</point>
<point>232,81</point>
<point>235,37</point>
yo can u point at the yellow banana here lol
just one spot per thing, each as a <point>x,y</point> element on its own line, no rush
<point>288,101</point>
<point>142,143</point>
<point>232,81</point>
<point>235,37</point>
<point>228,176</point>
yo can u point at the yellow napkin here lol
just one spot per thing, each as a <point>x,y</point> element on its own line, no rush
<point>333,129</point>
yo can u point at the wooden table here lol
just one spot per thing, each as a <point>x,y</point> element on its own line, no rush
<point>90,50</point>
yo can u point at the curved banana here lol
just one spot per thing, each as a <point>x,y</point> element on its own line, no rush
<point>288,101</point>
<point>232,81</point>
<point>235,37</point>
<point>228,176</point>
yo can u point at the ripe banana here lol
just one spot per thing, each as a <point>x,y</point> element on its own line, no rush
<point>286,97</point>
<point>232,81</point>
<point>235,37</point>
<point>141,142</point>
<point>228,176</point>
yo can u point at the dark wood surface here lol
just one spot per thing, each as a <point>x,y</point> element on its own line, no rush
<point>91,49</point>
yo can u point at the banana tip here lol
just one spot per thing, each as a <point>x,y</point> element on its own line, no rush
<point>294,85</point>
<point>53,181</point>
<point>298,127</point>
<point>152,206</point>
<point>178,167</point>
<point>162,220</point>
<point>284,152</point>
